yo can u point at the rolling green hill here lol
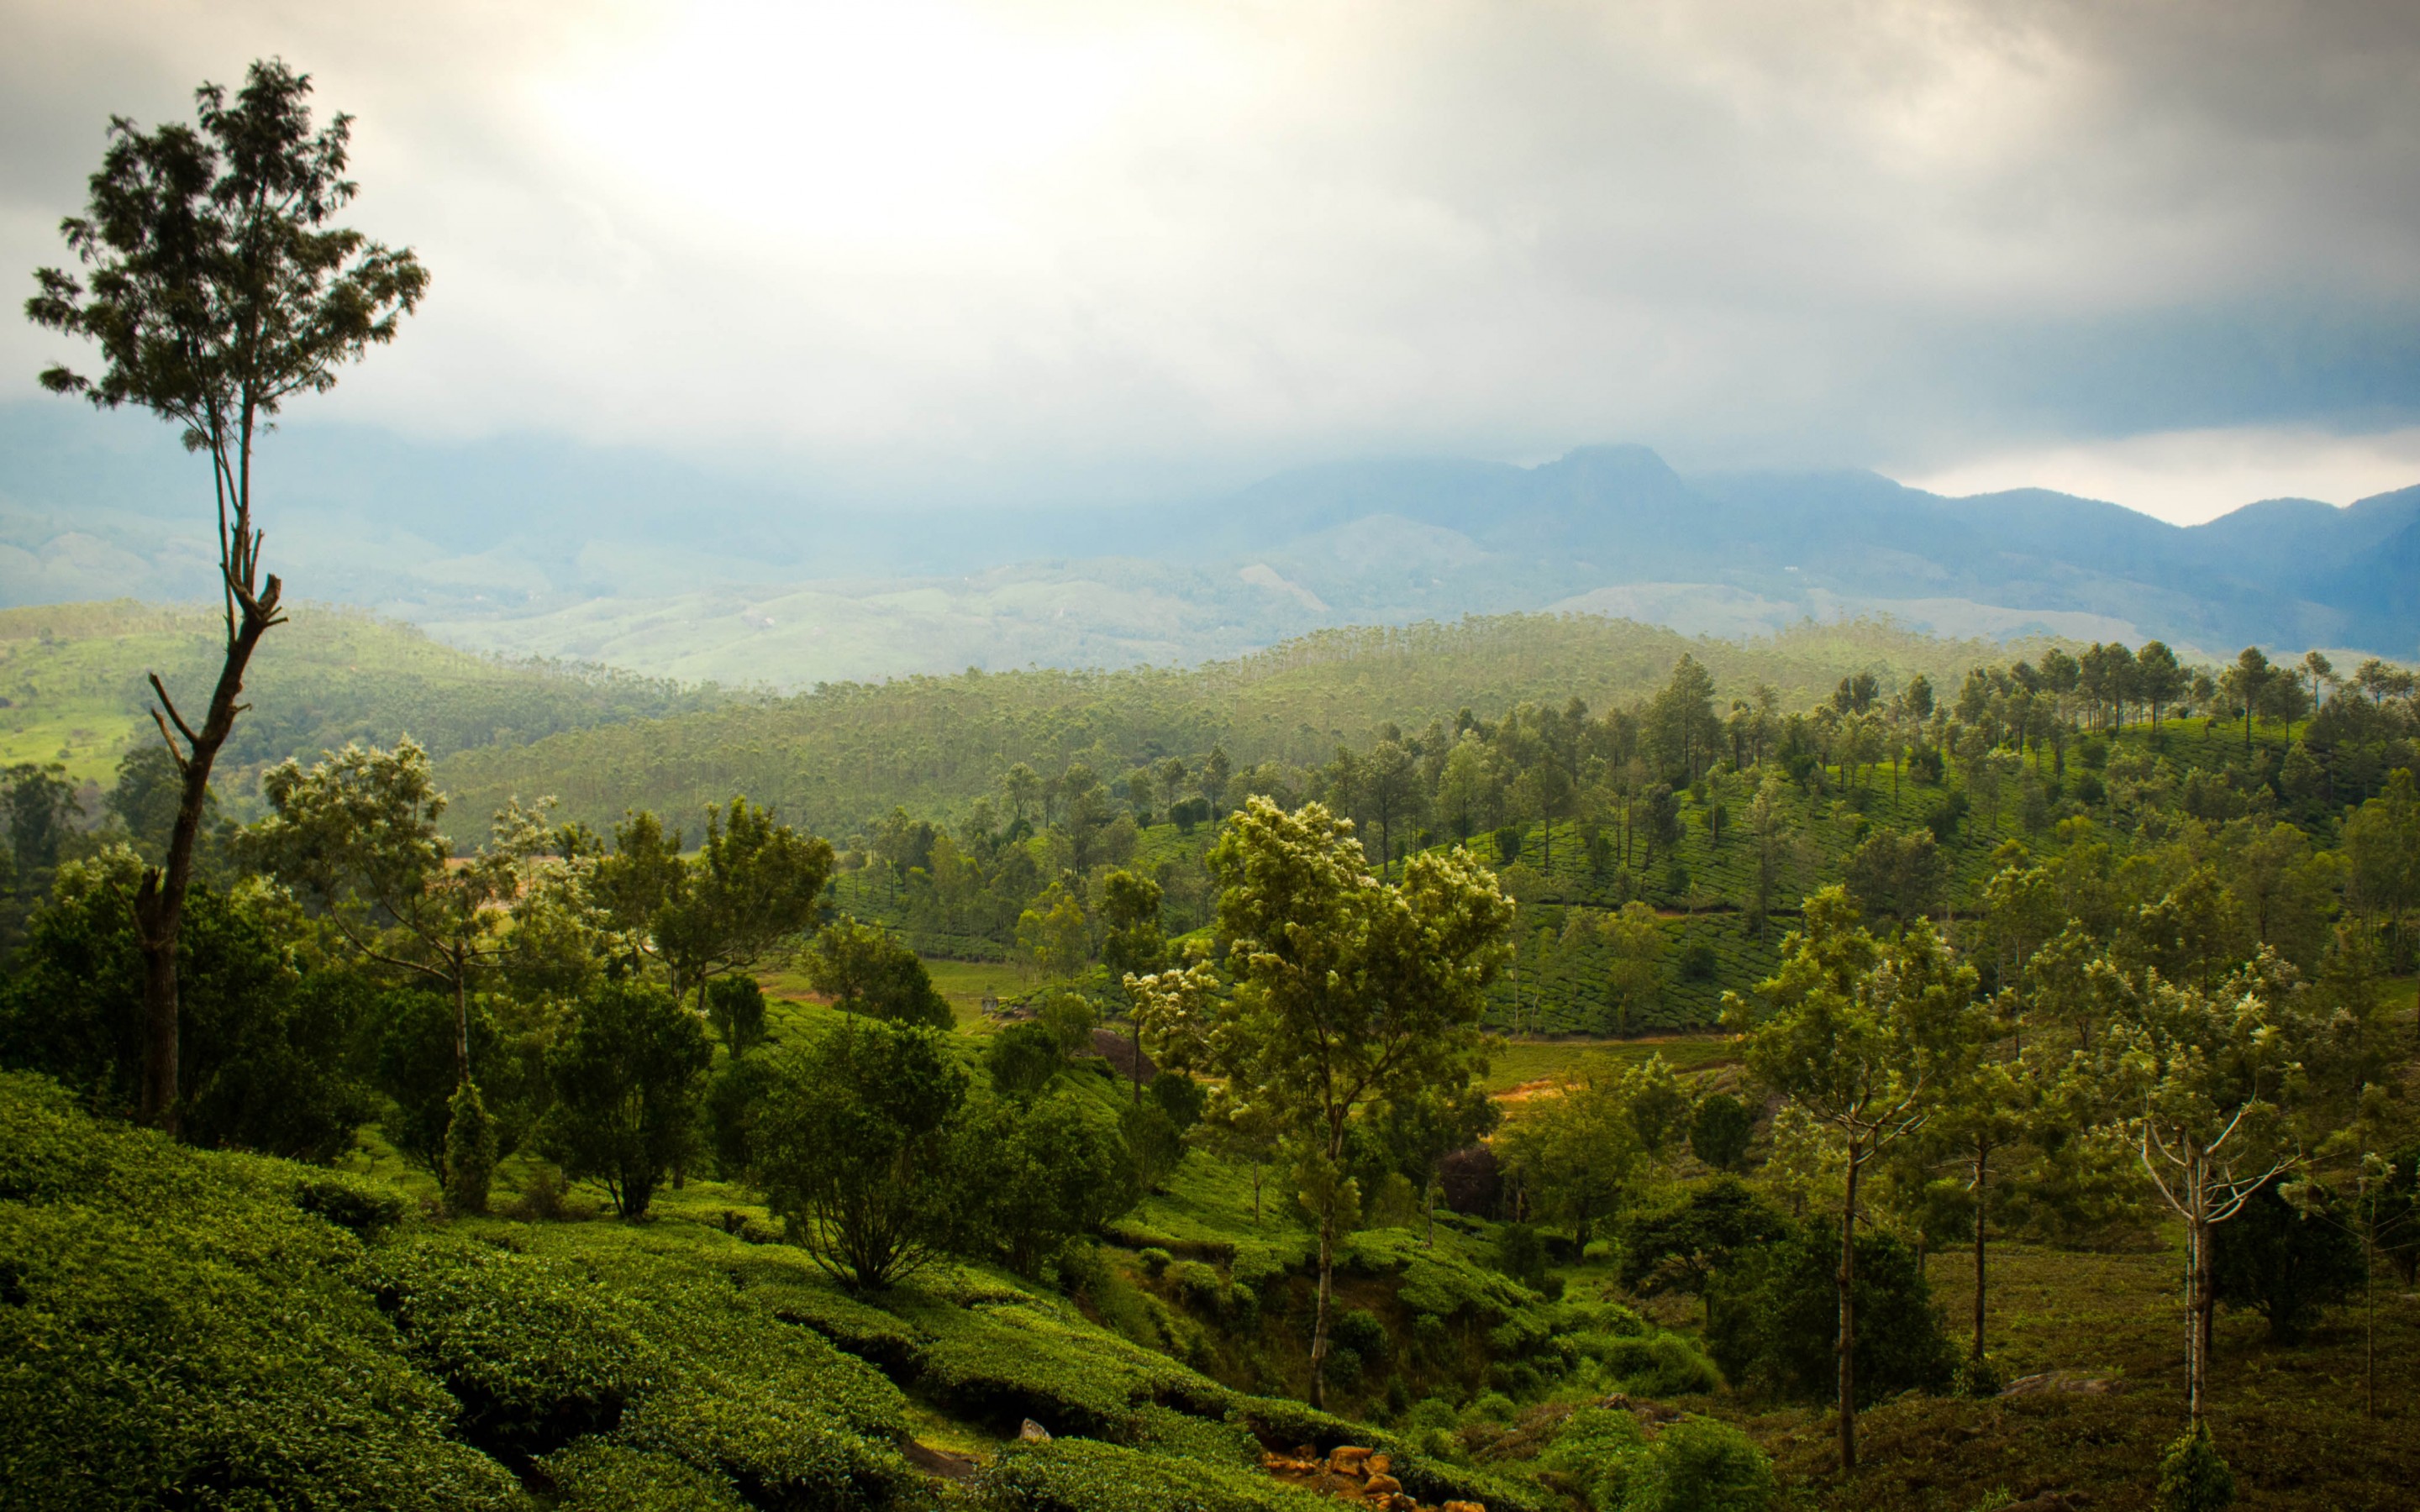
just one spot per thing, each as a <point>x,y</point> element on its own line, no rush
<point>72,689</point>
<point>832,758</point>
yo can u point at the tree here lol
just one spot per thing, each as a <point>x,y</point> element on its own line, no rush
<point>853,1149</point>
<point>735,1007</point>
<point>1132,944</point>
<point>2206,1077</point>
<point>2285,1259</point>
<point>1895,876</point>
<point>217,290</point>
<point>1680,1248</point>
<point>1422,1128</point>
<point>1680,723</point>
<point>1348,991</point>
<point>1771,1315</point>
<point>1572,1156</point>
<point>1633,940</point>
<point>1023,1058</point>
<point>627,1078</point>
<point>1034,1175</point>
<point>1390,792</point>
<point>744,900</point>
<point>1052,933</point>
<point>357,835</point>
<point>1719,1131</point>
<point>2160,679</point>
<point>1022,788</point>
<point>1867,1037</point>
<point>2245,686</point>
<point>868,972</point>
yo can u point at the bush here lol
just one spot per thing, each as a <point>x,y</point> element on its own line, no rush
<point>735,1004</point>
<point>1358,1329</point>
<point>1022,1059</point>
<point>2192,1477</point>
<point>1154,1259</point>
<point>596,1477</point>
<point>1082,1476</point>
<point>1699,1465</point>
<point>1595,1451</point>
<point>2283,1264</point>
<point>1521,1253</point>
<point>1774,1319</point>
<point>1665,1365</point>
<point>1719,1131</point>
<point>469,1151</point>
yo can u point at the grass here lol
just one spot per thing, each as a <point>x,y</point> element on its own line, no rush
<point>1524,1062</point>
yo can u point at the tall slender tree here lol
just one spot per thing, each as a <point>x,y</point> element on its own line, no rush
<point>216,290</point>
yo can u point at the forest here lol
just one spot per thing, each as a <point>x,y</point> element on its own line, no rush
<point>1498,1100</point>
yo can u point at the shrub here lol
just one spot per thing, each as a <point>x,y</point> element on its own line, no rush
<point>1154,1259</point>
<point>1022,1059</point>
<point>1082,1476</point>
<point>1719,1131</point>
<point>1197,1283</point>
<point>1699,1465</point>
<point>2192,1477</point>
<point>1774,1319</point>
<point>2282,1263</point>
<point>1031,1177</point>
<point>1596,1449</point>
<point>596,1477</point>
<point>1358,1329</point>
<point>469,1151</point>
<point>1521,1253</point>
<point>365,1208</point>
<point>1665,1365</point>
<point>1180,1096</point>
<point>855,1143</point>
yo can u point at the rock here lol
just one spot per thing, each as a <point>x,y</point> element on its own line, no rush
<point>1464,1507</point>
<point>1396,1502</point>
<point>1032,1432</point>
<point>1347,1458</point>
<point>1378,1464</point>
<point>1382,1486</point>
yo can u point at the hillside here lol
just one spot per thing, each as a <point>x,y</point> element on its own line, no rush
<point>666,568</point>
<point>836,758</point>
<point>73,678</point>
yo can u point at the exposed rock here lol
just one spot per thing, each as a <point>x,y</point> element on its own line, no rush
<point>1382,1486</point>
<point>2062,1381</point>
<point>1032,1432</point>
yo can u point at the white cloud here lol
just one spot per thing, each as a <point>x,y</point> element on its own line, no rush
<point>1026,248</point>
<point>2187,477</point>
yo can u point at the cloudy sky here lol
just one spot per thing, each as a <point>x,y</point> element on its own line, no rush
<point>2162,252</point>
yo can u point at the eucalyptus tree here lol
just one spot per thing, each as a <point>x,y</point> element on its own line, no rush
<point>216,289</point>
<point>2206,1082</point>
<point>1869,1037</point>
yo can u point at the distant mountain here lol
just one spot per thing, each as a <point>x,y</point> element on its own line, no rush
<point>523,547</point>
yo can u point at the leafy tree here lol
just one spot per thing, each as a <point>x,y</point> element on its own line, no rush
<point>358,835</point>
<point>744,900</point>
<point>1155,1144</point>
<point>732,1105</point>
<point>1772,1316</point>
<point>1896,876</point>
<point>1036,1174</point>
<point>866,971</point>
<point>1867,1037</point>
<point>2192,1476</point>
<point>1023,1058</point>
<point>735,1007</point>
<point>1422,1129</point>
<point>2204,1079</point>
<point>469,1151</point>
<point>2285,1261</point>
<point>853,1149</point>
<point>1348,992</point>
<point>627,1079</point>
<point>1180,1096</point>
<point>265,1043</point>
<point>1682,1247</point>
<point>1052,933</point>
<point>1719,1131</point>
<point>1132,944</point>
<point>217,290</point>
<point>1633,940</point>
<point>1071,1019</point>
<point>1572,1156</point>
<point>634,881</point>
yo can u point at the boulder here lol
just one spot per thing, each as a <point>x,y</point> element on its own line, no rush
<point>1032,1432</point>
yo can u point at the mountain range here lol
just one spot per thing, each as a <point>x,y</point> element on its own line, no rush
<point>528,547</point>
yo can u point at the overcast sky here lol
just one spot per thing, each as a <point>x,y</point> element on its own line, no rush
<point>2167,253</point>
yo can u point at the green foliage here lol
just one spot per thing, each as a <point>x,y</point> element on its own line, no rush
<point>1033,1175</point>
<point>2284,1261</point>
<point>627,1078</point>
<point>865,969</point>
<point>469,1151</point>
<point>180,1328</point>
<point>735,1004</point>
<point>1699,1465</point>
<point>1774,1319</point>
<point>1022,1059</point>
<point>1180,1096</point>
<point>1719,1131</point>
<point>596,1477</point>
<point>1082,1475</point>
<point>2192,1477</point>
<point>853,1149</point>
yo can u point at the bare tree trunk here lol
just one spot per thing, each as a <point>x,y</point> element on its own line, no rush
<point>159,899</point>
<point>1981,1157</point>
<point>2198,1303</point>
<point>461,1024</point>
<point>1319,1317</point>
<point>1848,1340</point>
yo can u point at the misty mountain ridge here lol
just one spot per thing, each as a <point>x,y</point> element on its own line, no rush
<point>535,549</point>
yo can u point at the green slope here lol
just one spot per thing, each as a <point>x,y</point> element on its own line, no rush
<point>832,757</point>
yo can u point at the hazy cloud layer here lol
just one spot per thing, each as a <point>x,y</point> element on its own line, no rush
<point>1119,251</point>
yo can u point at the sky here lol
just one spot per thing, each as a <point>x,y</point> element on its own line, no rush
<point>2164,253</point>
